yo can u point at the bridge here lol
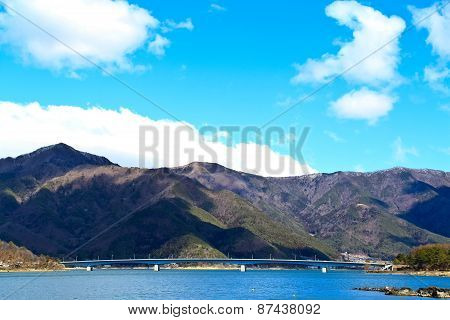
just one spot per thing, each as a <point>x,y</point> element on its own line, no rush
<point>243,263</point>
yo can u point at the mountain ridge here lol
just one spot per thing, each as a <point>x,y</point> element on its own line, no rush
<point>216,210</point>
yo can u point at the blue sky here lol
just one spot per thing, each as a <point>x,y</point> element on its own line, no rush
<point>236,66</point>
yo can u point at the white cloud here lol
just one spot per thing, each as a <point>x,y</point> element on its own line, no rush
<point>436,21</point>
<point>158,45</point>
<point>216,7</point>
<point>115,134</point>
<point>220,135</point>
<point>170,25</point>
<point>333,136</point>
<point>371,30</point>
<point>401,152</point>
<point>107,32</point>
<point>436,76</point>
<point>363,104</point>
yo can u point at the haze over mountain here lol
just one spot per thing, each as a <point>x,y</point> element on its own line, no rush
<point>56,200</point>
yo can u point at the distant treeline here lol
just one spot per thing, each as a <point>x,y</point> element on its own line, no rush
<point>427,257</point>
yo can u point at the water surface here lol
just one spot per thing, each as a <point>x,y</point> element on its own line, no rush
<point>205,284</point>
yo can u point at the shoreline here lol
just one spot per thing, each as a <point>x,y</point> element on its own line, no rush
<point>413,273</point>
<point>234,268</point>
<point>189,268</point>
<point>31,270</point>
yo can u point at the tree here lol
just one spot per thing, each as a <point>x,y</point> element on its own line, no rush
<point>427,257</point>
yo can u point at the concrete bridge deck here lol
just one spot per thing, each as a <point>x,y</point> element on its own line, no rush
<point>324,264</point>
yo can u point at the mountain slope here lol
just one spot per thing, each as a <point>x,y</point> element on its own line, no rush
<point>379,214</point>
<point>21,176</point>
<point>56,199</point>
<point>65,212</point>
<point>13,257</point>
<point>48,162</point>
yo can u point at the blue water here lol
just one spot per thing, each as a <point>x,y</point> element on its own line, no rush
<point>205,284</point>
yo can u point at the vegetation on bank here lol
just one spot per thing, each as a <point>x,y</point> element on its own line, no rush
<point>15,258</point>
<point>187,246</point>
<point>427,257</point>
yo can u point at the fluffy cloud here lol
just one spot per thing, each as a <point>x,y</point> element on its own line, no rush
<point>375,38</point>
<point>106,32</point>
<point>115,134</point>
<point>401,152</point>
<point>371,30</point>
<point>436,20</point>
<point>363,104</point>
<point>158,45</point>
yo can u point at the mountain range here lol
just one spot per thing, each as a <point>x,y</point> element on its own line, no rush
<point>62,202</point>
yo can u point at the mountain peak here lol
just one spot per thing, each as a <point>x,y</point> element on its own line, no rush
<point>64,152</point>
<point>49,161</point>
<point>59,147</point>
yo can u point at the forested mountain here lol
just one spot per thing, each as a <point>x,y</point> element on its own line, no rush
<point>56,200</point>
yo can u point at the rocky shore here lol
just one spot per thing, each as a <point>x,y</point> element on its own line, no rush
<point>430,292</point>
<point>430,273</point>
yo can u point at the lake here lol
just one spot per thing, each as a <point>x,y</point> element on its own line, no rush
<point>205,284</point>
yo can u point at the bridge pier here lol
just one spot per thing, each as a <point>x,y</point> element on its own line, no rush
<point>243,268</point>
<point>324,269</point>
<point>156,267</point>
